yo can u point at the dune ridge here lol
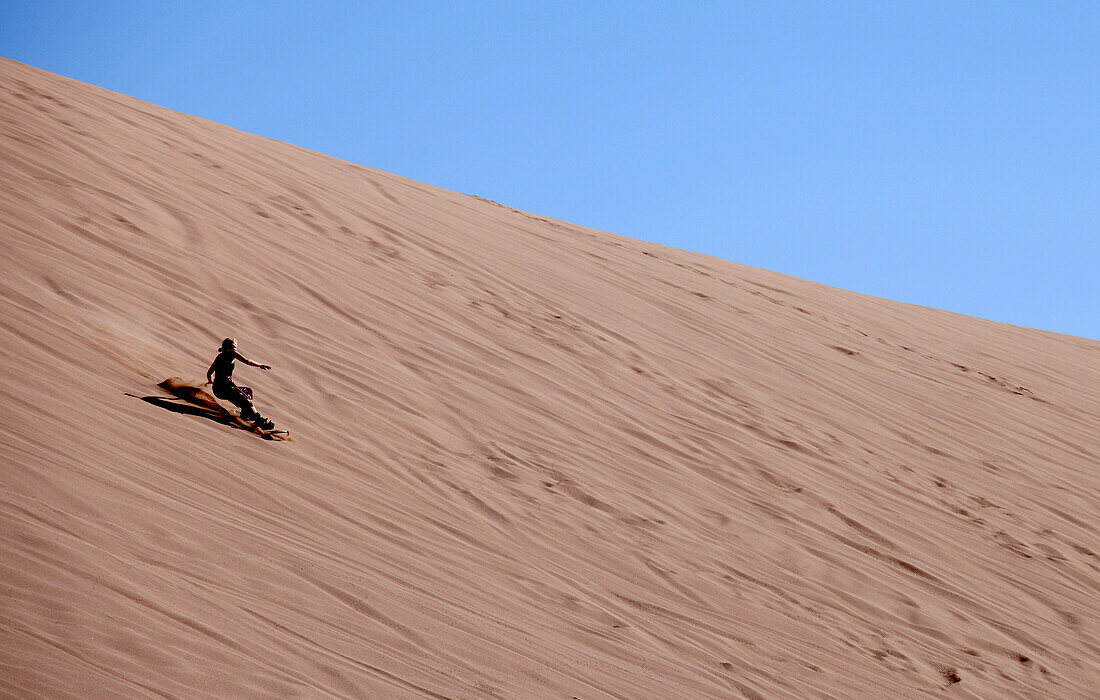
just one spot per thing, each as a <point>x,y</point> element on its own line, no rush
<point>530,460</point>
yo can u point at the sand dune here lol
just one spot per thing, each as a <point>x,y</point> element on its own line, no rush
<point>529,460</point>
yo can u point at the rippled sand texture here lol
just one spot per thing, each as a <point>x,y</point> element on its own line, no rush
<point>529,459</point>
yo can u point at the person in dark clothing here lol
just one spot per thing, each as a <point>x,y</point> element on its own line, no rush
<point>221,369</point>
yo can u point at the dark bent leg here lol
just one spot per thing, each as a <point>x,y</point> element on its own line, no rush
<point>235,396</point>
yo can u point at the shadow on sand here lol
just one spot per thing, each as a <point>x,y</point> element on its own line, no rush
<point>195,401</point>
<point>178,406</point>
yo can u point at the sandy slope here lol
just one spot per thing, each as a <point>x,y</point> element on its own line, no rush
<point>530,459</point>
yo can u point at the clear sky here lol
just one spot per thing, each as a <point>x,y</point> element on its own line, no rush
<point>944,154</point>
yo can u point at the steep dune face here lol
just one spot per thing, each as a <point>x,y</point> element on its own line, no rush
<point>529,459</point>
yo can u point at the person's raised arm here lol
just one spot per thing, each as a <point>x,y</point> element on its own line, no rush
<point>250,363</point>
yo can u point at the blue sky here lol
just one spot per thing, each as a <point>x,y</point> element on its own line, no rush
<point>944,154</point>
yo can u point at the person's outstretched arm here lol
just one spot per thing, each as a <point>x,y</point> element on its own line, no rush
<point>249,362</point>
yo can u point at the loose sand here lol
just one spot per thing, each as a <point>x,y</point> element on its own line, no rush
<point>528,459</point>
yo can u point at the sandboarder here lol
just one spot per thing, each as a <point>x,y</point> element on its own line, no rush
<point>224,388</point>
